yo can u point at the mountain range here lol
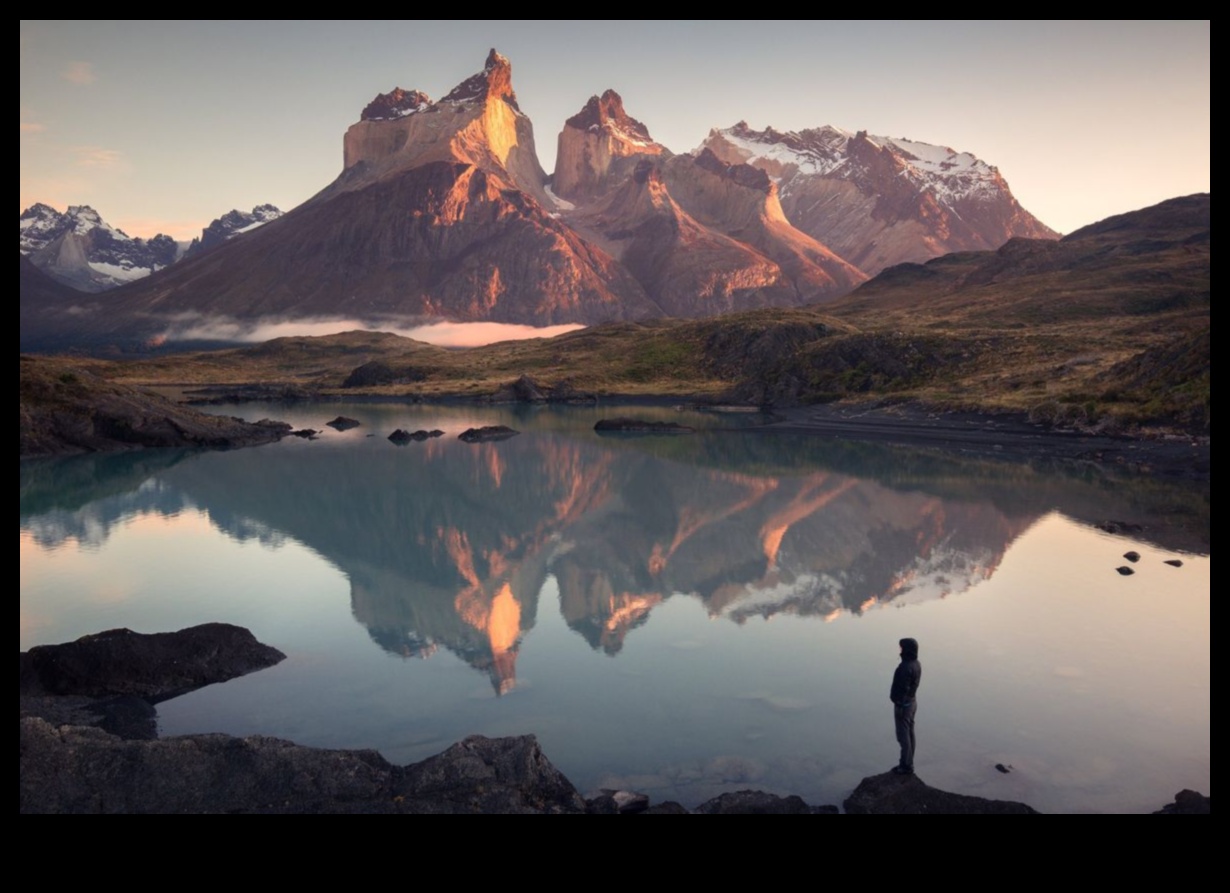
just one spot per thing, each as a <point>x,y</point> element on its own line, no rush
<point>79,249</point>
<point>442,210</point>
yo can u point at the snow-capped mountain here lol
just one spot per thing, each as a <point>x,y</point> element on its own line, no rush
<point>231,224</point>
<point>80,249</point>
<point>879,201</point>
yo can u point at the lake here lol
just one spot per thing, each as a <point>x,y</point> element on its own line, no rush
<point>680,616</point>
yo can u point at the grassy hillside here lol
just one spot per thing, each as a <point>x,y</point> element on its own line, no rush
<point>1106,328</point>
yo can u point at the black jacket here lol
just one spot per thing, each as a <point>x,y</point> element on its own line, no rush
<point>908,675</point>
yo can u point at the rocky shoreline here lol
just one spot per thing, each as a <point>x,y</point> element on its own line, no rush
<point>89,744</point>
<point>65,409</point>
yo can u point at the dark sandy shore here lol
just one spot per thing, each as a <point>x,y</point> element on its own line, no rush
<point>1008,436</point>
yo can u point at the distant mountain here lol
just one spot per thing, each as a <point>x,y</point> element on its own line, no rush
<point>701,236</point>
<point>231,224</point>
<point>438,212</point>
<point>442,210</point>
<point>879,201</point>
<point>79,249</point>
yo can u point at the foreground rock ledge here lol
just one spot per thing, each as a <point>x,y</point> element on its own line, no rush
<point>74,769</point>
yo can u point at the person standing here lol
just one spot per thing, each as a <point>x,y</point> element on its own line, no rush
<point>905,703</point>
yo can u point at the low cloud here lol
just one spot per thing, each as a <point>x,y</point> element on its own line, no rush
<point>32,127</point>
<point>96,156</point>
<point>442,334</point>
<point>79,73</point>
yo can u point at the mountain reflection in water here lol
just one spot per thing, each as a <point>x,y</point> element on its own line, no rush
<point>451,546</point>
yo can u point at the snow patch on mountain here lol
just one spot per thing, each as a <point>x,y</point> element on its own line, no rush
<point>231,224</point>
<point>824,151</point>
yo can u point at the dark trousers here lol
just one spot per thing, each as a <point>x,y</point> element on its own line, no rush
<point>903,717</point>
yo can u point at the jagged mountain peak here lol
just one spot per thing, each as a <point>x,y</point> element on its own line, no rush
<point>231,224</point>
<point>42,224</point>
<point>948,174</point>
<point>599,146</point>
<point>79,249</point>
<point>397,103</point>
<point>493,82</point>
<point>478,123</point>
<point>607,111</point>
<point>38,209</point>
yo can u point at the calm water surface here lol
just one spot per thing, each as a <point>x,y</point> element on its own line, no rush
<point>677,615</point>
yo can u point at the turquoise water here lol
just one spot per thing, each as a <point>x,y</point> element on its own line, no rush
<point>677,615</point>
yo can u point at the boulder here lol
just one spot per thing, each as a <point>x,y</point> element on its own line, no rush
<point>892,794</point>
<point>489,432</point>
<point>369,375</point>
<point>523,390</point>
<point>153,667</point>
<point>1187,802</point>
<point>639,426</point>
<point>760,803</point>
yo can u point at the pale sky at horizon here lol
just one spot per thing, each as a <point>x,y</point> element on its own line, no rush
<point>163,126</point>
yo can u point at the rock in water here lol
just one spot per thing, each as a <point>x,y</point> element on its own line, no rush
<point>154,667</point>
<point>486,433</point>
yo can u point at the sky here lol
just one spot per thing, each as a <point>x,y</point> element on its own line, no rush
<point>164,126</point>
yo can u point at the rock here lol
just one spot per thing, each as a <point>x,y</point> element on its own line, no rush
<point>566,392</point>
<point>74,769</point>
<point>603,804</point>
<point>1125,571</point>
<point>638,426</point>
<point>1132,556</point>
<point>403,437</point>
<point>342,423</point>
<point>523,390</point>
<point>667,807</point>
<point>369,375</point>
<point>611,802</point>
<point>1173,562</point>
<point>489,432</point>
<point>1119,527</point>
<point>153,667</point>
<point>758,803</point>
<point>890,794</point>
<point>1186,802</point>
<point>124,716</point>
<point>488,775</point>
<point>376,373</point>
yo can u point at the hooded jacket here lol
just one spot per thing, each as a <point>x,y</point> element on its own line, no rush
<point>908,675</point>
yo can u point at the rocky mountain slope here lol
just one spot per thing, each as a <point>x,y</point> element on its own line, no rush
<point>879,201</point>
